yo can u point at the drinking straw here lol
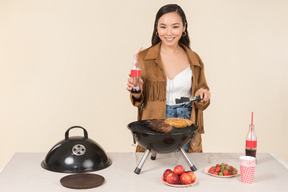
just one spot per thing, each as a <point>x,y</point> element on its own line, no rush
<point>137,55</point>
<point>251,124</point>
<point>139,51</point>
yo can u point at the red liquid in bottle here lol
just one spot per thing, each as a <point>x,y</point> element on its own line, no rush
<point>250,152</point>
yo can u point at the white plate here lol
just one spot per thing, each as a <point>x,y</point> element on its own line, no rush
<point>179,185</point>
<point>207,169</point>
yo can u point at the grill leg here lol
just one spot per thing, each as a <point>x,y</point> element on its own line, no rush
<point>153,155</point>
<point>192,167</point>
<point>142,161</point>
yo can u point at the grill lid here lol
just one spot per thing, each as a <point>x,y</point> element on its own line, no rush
<point>76,155</point>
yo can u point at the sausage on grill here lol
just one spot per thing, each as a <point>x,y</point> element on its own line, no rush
<point>178,122</point>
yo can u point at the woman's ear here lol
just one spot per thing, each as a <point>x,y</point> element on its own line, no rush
<point>184,28</point>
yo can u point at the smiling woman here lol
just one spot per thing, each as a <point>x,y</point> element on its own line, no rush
<point>171,70</point>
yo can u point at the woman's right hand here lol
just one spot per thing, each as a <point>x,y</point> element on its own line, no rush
<point>130,86</point>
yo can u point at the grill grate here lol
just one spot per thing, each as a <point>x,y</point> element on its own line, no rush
<point>144,127</point>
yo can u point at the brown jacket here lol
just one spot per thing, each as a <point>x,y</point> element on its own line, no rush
<point>152,103</point>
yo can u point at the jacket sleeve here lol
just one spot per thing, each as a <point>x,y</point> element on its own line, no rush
<point>202,84</point>
<point>137,102</point>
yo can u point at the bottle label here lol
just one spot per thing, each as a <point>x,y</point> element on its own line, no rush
<point>251,144</point>
<point>135,73</point>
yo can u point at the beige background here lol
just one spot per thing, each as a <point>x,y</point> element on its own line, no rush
<point>66,62</point>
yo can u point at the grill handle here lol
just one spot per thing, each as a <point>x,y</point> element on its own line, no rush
<point>84,130</point>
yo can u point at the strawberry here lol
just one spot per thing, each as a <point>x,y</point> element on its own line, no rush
<point>218,169</point>
<point>227,167</point>
<point>212,171</point>
<point>225,172</point>
<point>215,173</point>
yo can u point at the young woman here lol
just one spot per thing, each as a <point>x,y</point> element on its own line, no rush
<point>170,70</point>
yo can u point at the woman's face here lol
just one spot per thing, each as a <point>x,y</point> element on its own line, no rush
<point>170,29</point>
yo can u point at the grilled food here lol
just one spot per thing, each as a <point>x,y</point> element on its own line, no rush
<point>178,122</point>
<point>160,126</point>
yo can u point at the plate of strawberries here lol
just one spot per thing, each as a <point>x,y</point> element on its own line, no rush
<point>222,170</point>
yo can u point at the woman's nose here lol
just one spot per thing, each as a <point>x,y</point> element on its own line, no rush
<point>169,31</point>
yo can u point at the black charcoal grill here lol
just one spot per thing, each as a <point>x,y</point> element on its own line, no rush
<point>156,142</point>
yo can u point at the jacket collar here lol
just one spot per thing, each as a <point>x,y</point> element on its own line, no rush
<point>154,53</point>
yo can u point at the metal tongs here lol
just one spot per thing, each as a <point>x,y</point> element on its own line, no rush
<point>187,99</point>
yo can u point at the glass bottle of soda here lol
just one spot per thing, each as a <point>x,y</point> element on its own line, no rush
<point>251,142</point>
<point>136,76</point>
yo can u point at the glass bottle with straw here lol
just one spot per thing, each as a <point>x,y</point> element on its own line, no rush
<point>136,74</point>
<point>251,140</point>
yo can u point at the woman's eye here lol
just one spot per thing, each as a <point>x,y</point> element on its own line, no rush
<point>175,27</point>
<point>162,27</point>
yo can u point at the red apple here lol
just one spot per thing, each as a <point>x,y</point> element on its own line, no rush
<point>172,178</point>
<point>166,172</point>
<point>179,169</point>
<point>192,175</point>
<point>185,178</point>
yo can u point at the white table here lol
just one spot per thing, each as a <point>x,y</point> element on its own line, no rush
<point>23,173</point>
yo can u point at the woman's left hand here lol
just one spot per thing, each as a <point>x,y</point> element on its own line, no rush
<point>204,94</point>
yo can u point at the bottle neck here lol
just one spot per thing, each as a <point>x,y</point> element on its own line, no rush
<point>251,139</point>
<point>135,65</point>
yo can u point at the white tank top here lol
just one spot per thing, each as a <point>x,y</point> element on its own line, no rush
<point>180,86</point>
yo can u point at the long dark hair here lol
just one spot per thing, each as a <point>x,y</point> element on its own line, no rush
<point>167,9</point>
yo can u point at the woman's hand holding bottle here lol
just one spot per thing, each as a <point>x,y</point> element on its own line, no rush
<point>130,86</point>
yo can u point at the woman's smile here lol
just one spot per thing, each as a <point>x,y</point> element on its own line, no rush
<point>169,39</point>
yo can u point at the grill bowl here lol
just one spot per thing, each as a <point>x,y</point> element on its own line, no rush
<point>161,142</point>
